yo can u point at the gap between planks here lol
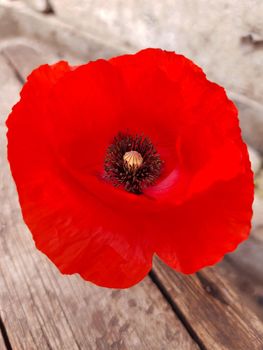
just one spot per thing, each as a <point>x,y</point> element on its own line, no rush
<point>4,339</point>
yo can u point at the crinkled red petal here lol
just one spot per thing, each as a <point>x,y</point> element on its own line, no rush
<point>200,207</point>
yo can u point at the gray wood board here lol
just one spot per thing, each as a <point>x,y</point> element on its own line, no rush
<point>212,308</point>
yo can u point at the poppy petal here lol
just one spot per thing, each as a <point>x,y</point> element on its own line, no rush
<point>58,134</point>
<point>76,231</point>
<point>201,231</point>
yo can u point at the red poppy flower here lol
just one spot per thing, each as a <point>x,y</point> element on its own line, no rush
<point>117,160</point>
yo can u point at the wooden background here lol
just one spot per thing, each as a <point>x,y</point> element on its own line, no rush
<point>218,308</point>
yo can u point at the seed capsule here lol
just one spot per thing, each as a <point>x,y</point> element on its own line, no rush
<point>132,160</point>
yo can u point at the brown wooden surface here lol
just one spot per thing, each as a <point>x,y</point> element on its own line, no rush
<point>212,308</point>
<point>41,309</point>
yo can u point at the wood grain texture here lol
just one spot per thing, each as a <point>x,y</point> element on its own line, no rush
<point>23,59</point>
<point>246,284</point>
<point>212,308</point>
<point>41,308</point>
<point>54,35</point>
<point>244,269</point>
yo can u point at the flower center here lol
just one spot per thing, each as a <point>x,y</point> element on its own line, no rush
<point>132,162</point>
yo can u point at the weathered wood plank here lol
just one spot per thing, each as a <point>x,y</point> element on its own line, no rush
<point>244,270</point>
<point>64,39</point>
<point>23,59</point>
<point>215,312</point>
<point>44,310</point>
<point>245,282</point>
<point>251,121</point>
